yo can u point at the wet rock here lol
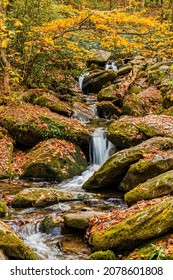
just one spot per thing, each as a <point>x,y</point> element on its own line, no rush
<point>111,173</point>
<point>129,131</point>
<point>94,82</point>
<point>80,220</point>
<point>6,151</point>
<point>3,209</point>
<point>55,159</point>
<point>82,112</point>
<point>29,124</point>
<point>103,255</point>
<point>74,244</point>
<point>151,222</point>
<point>13,246</point>
<point>40,197</point>
<point>51,225</point>
<point>156,187</point>
<point>146,102</point>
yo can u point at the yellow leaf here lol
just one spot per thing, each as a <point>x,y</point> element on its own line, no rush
<point>18,23</point>
<point>4,43</point>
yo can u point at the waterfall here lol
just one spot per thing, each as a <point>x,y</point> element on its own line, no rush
<point>81,78</point>
<point>111,65</point>
<point>100,147</point>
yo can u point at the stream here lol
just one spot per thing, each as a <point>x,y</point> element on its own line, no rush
<point>61,243</point>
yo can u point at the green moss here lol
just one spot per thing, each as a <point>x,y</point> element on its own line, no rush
<point>3,209</point>
<point>149,223</point>
<point>103,255</point>
<point>13,246</point>
<point>156,187</point>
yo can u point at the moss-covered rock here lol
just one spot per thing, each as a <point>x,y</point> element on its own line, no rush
<point>168,112</point>
<point>146,102</point>
<point>147,168</point>
<point>99,57</point>
<point>151,222</point>
<point>3,209</point>
<point>107,109</point>
<point>29,124</point>
<point>53,103</point>
<point>13,246</point>
<point>157,249</point>
<point>80,220</point>
<point>112,93</point>
<point>103,255</point>
<point>6,151</point>
<point>40,197</point>
<point>93,82</point>
<point>129,131</point>
<point>158,186</point>
<point>124,70</point>
<point>55,159</point>
<point>51,225</point>
<point>111,173</point>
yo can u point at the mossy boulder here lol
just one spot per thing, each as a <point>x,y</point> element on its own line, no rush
<point>129,131</point>
<point>29,124</point>
<point>3,209</point>
<point>80,220</point>
<point>168,112</point>
<point>124,70</point>
<point>40,197</point>
<point>112,93</point>
<point>156,187</point>
<point>6,152</point>
<point>111,173</point>
<point>99,57</point>
<point>55,159</point>
<point>12,246</point>
<point>107,109</point>
<point>94,82</point>
<point>147,168</point>
<point>146,102</point>
<point>157,249</point>
<point>53,103</point>
<point>103,255</point>
<point>151,222</point>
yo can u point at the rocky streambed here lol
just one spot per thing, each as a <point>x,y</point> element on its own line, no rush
<point>90,174</point>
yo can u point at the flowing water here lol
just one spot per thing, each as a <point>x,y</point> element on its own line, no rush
<point>59,244</point>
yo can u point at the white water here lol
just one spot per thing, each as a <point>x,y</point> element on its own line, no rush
<point>81,78</point>
<point>100,147</point>
<point>111,65</point>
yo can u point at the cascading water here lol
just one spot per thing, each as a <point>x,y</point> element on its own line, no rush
<point>100,147</point>
<point>111,65</point>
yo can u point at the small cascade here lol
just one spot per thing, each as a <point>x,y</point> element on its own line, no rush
<point>100,147</point>
<point>81,78</point>
<point>111,65</point>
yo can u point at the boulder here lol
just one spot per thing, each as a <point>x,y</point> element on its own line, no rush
<point>112,93</point>
<point>129,131</point>
<point>6,151</point>
<point>124,70</point>
<point>80,220</point>
<point>3,209</point>
<point>103,255</point>
<point>99,57</point>
<point>168,112</point>
<point>111,173</point>
<point>107,109</point>
<point>148,101</point>
<point>156,187</point>
<point>94,82</point>
<point>147,168</point>
<point>12,246</point>
<point>29,124</point>
<point>82,112</point>
<point>151,222</point>
<point>2,255</point>
<point>40,197</point>
<point>55,159</point>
